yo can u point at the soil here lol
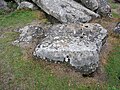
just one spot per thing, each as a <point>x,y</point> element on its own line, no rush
<point>64,70</point>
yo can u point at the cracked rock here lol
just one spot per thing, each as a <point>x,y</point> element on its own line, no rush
<point>77,44</point>
<point>66,10</point>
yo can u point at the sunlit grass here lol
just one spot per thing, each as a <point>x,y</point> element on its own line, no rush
<point>17,18</point>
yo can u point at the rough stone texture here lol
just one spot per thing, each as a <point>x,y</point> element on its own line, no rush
<point>3,4</point>
<point>66,10</point>
<point>91,4</point>
<point>117,28</point>
<point>104,8</point>
<point>100,6</point>
<point>27,34</point>
<point>26,4</point>
<point>77,44</point>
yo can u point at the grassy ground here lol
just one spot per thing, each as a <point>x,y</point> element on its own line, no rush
<point>113,69</point>
<point>115,8</point>
<point>113,62</point>
<point>19,18</point>
<point>16,18</point>
<point>19,73</point>
<point>16,72</point>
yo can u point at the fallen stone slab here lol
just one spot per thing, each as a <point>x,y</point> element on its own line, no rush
<point>91,4</point>
<point>66,10</point>
<point>77,44</point>
<point>101,7</point>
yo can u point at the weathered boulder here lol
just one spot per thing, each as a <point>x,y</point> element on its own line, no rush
<point>27,34</point>
<point>77,44</point>
<point>3,4</point>
<point>117,28</point>
<point>26,4</point>
<point>66,10</point>
<point>104,8</point>
<point>100,6</point>
<point>91,4</point>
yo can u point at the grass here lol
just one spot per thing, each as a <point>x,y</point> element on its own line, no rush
<point>114,7</point>
<point>113,4</point>
<point>18,18</point>
<point>18,73</point>
<point>115,15</point>
<point>113,68</point>
<point>28,74</point>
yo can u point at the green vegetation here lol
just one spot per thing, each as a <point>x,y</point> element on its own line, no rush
<point>28,74</point>
<point>114,7</point>
<point>25,74</point>
<point>113,68</point>
<point>17,18</point>
<point>116,15</point>
<point>17,72</point>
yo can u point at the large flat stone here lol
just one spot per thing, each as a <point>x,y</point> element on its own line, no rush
<point>77,44</point>
<point>66,10</point>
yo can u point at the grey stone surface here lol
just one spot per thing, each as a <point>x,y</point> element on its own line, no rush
<point>27,34</point>
<point>91,4</point>
<point>117,28</point>
<point>3,4</point>
<point>77,44</point>
<point>26,4</point>
<point>104,8</point>
<point>66,10</point>
<point>100,6</point>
